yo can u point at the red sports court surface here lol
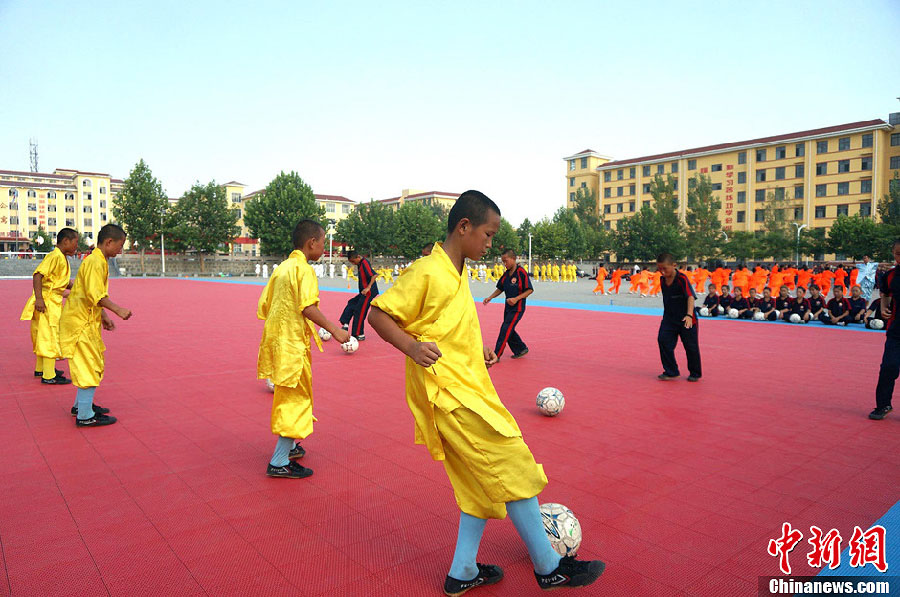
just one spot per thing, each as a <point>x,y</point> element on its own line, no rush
<point>678,486</point>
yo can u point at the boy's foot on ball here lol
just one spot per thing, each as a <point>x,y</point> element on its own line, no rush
<point>59,380</point>
<point>95,421</point>
<point>880,412</point>
<point>98,410</point>
<point>296,452</point>
<point>521,354</point>
<point>41,374</point>
<point>666,377</point>
<point>291,471</point>
<point>488,574</point>
<point>571,573</point>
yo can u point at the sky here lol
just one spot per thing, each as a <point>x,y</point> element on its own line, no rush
<point>364,99</point>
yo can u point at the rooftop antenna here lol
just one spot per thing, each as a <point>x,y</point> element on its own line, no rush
<point>33,154</point>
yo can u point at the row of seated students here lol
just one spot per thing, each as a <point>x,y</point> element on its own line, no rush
<point>840,310</point>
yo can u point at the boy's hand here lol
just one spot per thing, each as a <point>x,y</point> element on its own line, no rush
<point>688,321</point>
<point>425,354</point>
<point>490,357</point>
<point>39,304</point>
<point>365,291</point>
<point>512,301</point>
<point>123,313</point>
<point>342,336</point>
<point>106,322</point>
<point>486,300</point>
<point>885,312</point>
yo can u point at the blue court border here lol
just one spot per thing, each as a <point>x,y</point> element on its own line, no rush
<point>891,523</point>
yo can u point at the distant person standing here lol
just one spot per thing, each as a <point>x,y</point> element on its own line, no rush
<point>679,321</point>
<point>517,286</point>
<point>866,276</point>
<point>358,307</point>
<point>890,360</point>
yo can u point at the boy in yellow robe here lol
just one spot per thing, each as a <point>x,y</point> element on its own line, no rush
<point>430,316</point>
<point>289,304</point>
<point>44,308</point>
<point>83,316</point>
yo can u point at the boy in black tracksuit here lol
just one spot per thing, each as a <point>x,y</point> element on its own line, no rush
<point>874,312</point>
<point>801,306</point>
<point>816,302</point>
<point>783,303</point>
<point>711,301</point>
<point>725,299</point>
<point>890,360</point>
<point>741,304</point>
<point>358,307</point>
<point>679,321</point>
<point>837,311</point>
<point>766,305</point>
<point>517,286</point>
<point>857,305</point>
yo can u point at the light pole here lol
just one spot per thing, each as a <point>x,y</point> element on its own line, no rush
<point>799,228</point>
<point>330,244</point>
<point>529,253</point>
<point>162,238</point>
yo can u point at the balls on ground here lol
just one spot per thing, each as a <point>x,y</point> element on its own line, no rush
<point>350,345</point>
<point>721,309</point>
<point>550,401</point>
<point>324,334</point>
<point>759,316</point>
<point>269,385</point>
<point>877,324</point>
<point>733,313</point>
<point>795,318</point>
<point>562,528</point>
<point>704,312</point>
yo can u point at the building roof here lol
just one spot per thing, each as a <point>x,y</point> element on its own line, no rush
<point>234,183</point>
<point>35,185</point>
<point>587,153</point>
<point>82,172</point>
<point>336,198</point>
<point>828,130</point>
<point>34,174</point>
<point>439,194</point>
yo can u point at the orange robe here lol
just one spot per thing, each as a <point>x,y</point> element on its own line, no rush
<point>759,278</point>
<point>826,278</point>
<point>803,278</point>
<point>601,276</point>
<point>701,275</point>
<point>839,278</point>
<point>616,280</point>
<point>789,275</point>
<point>655,281</point>
<point>742,281</point>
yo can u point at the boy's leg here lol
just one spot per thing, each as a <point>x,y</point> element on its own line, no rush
<point>49,367</point>
<point>667,338</point>
<point>291,418</point>
<point>887,374</point>
<point>690,339</point>
<point>349,310</point>
<point>526,516</point>
<point>773,316</point>
<point>84,399</point>
<point>282,449</point>
<point>359,318</point>
<point>824,318</point>
<point>510,318</point>
<point>516,344</point>
<point>39,365</point>
<point>467,541</point>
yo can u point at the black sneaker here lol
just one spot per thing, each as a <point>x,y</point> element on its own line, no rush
<point>880,412</point>
<point>95,421</point>
<point>488,574</point>
<point>291,471</point>
<point>666,377</point>
<point>296,452</point>
<point>98,410</point>
<point>571,573</point>
<point>59,380</point>
<point>520,355</point>
<point>361,337</point>
<point>41,373</point>
<point>693,378</point>
<point>345,326</point>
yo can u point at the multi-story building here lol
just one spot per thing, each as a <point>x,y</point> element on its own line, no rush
<point>445,200</point>
<point>65,198</point>
<point>826,172</point>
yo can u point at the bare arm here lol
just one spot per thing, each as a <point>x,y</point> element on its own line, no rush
<point>525,294</point>
<point>315,315</point>
<point>492,296</point>
<point>37,283</point>
<point>689,316</point>
<point>106,303</point>
<point>424,354</point>
<point>886,307</point>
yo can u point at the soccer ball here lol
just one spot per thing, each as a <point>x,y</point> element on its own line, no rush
<point>733,313</point>
<point>795,318</point>
<point>721,309</point>
<point>550,401</point>
<point>877,324</point>
<point>562,528</point>
<point>704,312</point>
<point>269,385</point>
<point>759,316</point>
<point>324,334</point>
<point>350,345</point>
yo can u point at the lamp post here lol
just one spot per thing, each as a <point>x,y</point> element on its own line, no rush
<point>162,239</point>
<point>529,253</point>
<point>799,228</point>
<point>330,244</point>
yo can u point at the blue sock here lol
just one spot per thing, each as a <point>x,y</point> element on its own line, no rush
<point>526,516</point>
<point>84,399</point>
<point>467,541</point>
<point>282,449</point>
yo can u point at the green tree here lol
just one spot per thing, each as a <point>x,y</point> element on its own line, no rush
<point>586,208</point>
<point>41,241</point>
<point>369,229</point>
<point>654,229</point>
<point>84,244</point>
<point>205,221</point>
<point>889,214</point>
<point>742,245</point>
<point>576,245</point>
<point>140,208</point>
<point>778,238</point>
<point>704,230</point>
<point>506,238</point>
<point>522,231</point>
<point>812,242</point>
<point>415,224</point>
<point>549,240</point>
<point>854,236</point>
<point>273,214</point>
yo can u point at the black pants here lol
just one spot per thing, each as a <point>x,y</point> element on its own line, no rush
<point>356,310</point>
<point>890,370</point>
<point>773,316</point>
<point>508,335</point>
<point>668,337</point>
<point>748,314</point>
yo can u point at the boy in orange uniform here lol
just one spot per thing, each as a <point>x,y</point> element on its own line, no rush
<point>601,277</point>
<point>616,280</point>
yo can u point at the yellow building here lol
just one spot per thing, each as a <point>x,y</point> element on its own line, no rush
<point>65,198</point>
<point>445,200</point>
<point>826,172</point>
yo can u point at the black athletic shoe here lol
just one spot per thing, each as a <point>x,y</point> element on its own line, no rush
<point>95,421</point>
<point>98,410</point>
<point>291,471</point>
<point>520,355</point>
<point>345,326</point>
<point>693,378</point>
<point>666,377</point>
<point>571,573</point>
<point>296,452</point>
<point>59,380</point>
<point>880,412</point>
<point>41,373</point>
<point>488,574</point>
<point>361,337</point>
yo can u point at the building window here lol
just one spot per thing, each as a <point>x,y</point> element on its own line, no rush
<point>646,188</point>
<point>742,177</point>
<point>799,192</point>
<point>779,193</point>
<point>331,205</point>
<point>780,152</point>
<point>32,221</point>
<point>800,150</point>
<point>822,147</point>
<point>70,209</point>
<point>571,182</point>
<point>86,183</point>
<point>631,206</point>
<point>70,222</point>
<point>607,176</point>
<point>717,186</point>
<point>86,209</point>
<point>760,176</point>
<point>821,168</point>
<point>607,208</point>
<point>51,207</point>
<point>799,171</point>
<point>760,215</point>
<point>675,185</point>
<point>620,207</point>
<point>584,162</point>
<point>31,193</point>
<point>70,196</point>
<point>661,169</point>
<point>843,166</point>
<point>867,140</point>
<point>895,139</point>
<point>32,207</point>
<point>865,210</point>
<point>631,191</point>
<point>865,186</point>
<point>692,182</point>
<point>14,220</point>
<point>571,164</point>
<point>51,194</point>
<point>820,211</point>
<point>13,193</point>
<point>345,208</point>
<point>843,143</point>
<point>760,195</point>
<point>645,171</point>
<point>742,157</point>
<point>741,216</point>
<point>715,168</point>
<point>843,210</point>
<point>674,167</point>
<point>620,175</point>
<point>692,164</point>
<point>779,173</point>
<point>866,163</point>
<point>760,155</point>
<point>798,213</point>
<point>607,192</point>
<point>51,221</point>
<point>632,172</point>
<point>821,190</point>
<point>742,196</point>
<point>13,205</point>
<point>646,204</point>
<point>895,162</point>
<point>88,222</point>
<point>102,190</point>
<point>843,188</point>
<point>583,185</point>
<point>88,197</point>
<point>620,191</point>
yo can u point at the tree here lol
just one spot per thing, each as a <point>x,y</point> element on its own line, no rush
<point>273,214</point>
<point>369,229</point>
<point>742,245</point>
<point>549,240</point>
<point>506,238</point>
<point>586,208</point>
<point>415,225</point>
<point>522,231</point>
<point>778,239</point>
<point>205,221</point>
<point>704,230</point>
<point>889,212</point>
<point>812,242</point>
<point>140,208</point>
<point>41,241</point>
<point>655,228</point>
<point>854,236</point>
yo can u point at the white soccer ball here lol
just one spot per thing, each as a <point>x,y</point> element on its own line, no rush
<point>324,334</point>
<point>721,309</point>
<point>795,318</point>
<point>877,324</point>
<point>269,385</point>
<point>550,401</point>
<point>351,345</point>
<point>562,528</point>
<point>733,313</point>
<point>759,316</point>
<point>704,312</point>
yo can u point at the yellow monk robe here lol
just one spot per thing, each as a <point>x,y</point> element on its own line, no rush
<point>555,273</point>
<point>284,351</point>
<point>45,326</point>
<point>79,328</point>
<point>458,414</point>
<point>535,272</point>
